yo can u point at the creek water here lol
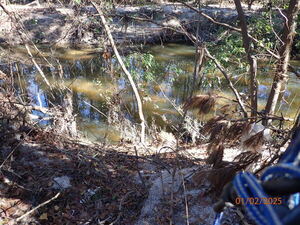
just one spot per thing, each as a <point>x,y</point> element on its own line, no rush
<point>164,75</point>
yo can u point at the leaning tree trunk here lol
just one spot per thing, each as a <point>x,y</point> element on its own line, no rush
<point>131,81</point>
<point>199,62</point>
<point>281,76</point>
<point>199,56</point>
<point>250,57</point>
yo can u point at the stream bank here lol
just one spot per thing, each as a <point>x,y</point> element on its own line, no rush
<point>56,25</point>
<point>93,184</point>
<point>81,182</point>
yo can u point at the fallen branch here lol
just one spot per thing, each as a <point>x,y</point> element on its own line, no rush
<point>28,108</point>
<point>35,208</point>
<point>134,88</point>
<point>37,66</point>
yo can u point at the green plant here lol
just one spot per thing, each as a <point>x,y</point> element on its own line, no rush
<point>230,52</point>
<point>142,66</point>
<point>262,29</point>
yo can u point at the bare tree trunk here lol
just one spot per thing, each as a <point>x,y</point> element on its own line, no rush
<point>69,114</point>
<point>250,57</point>
<point>134,88</point>
<point>281,76</point>
<point>200,54</point>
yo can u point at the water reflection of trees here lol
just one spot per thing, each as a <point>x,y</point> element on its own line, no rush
<point>91,81</point>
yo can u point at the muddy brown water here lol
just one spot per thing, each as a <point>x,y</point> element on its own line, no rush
<point>163,73</point>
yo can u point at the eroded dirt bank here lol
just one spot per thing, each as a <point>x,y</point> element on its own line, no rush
<point>146,24</point>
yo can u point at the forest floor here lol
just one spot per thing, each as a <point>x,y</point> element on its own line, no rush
<point>102,185</point>
<point>60,25</point>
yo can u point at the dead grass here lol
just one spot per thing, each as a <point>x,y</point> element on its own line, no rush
<point>204,103</point>
<point>255,142</point>
<point>216,154</point>
<point>237,130</point>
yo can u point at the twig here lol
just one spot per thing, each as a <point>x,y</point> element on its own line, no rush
<point>184,188</point>
<point>120,207</point>
<point>104,172</point>
<point>286,20</point>
<point>137,167</point>
<point>37,66</point>
<point>18,21</point>
<point>277,155</point>
<point>95,109</point>
<point>39,206</point>
<point>172,196</point>
<point>168,99</point>
<point>185,200</point>
<point>274,32</point>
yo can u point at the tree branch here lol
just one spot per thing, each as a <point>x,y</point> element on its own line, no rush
<point>39,206</point>
<point>227,77</point>
<point>134,88</point>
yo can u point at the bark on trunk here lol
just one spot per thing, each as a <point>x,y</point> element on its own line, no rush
<point>200,54</point>
<point>69,114</point>
<point>199,57</point>
<point>250,57</point>
<point>281,76</point>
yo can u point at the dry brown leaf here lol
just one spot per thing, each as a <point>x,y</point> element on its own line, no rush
<point>255,142</point>
<point>216,155</point>
<point>44,216</point>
